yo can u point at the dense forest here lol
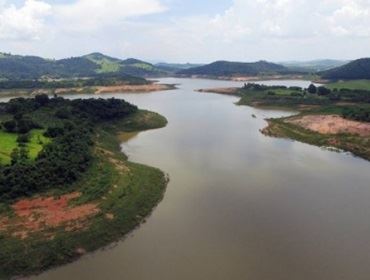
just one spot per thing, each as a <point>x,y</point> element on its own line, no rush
<point>69,125</point>
<point>16,67</point>
<point>97,80</point>
<point>226,68</point>
<point>314,95</point>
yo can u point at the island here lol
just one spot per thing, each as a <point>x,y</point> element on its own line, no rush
<point>66,188</point>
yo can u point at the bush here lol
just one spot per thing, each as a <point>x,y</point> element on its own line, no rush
<point>23,138</point>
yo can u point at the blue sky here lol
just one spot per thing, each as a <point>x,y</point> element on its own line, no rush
<point>188,30</point>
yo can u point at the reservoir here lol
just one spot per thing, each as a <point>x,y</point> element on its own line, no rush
<point>239,205</point>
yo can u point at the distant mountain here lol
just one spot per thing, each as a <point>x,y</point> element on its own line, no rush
<point>175,67</point>
<point>314,65</point>
<point>16,67</point>
<point>226,68</point>
<point>355,70</point>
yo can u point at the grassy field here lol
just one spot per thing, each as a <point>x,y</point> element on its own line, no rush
<point>352,84</point>
<point>125,193</point>
<point>9,143</point>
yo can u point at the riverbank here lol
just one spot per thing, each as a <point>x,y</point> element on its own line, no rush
<point>330,131</point>
<point>112,198</point>
<point>329,119</point>
<point>124,88</point>
<point>240,78</point>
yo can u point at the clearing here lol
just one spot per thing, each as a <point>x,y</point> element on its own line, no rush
<point>9,142</point>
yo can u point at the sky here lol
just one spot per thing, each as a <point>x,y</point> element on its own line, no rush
<point>197,31</point>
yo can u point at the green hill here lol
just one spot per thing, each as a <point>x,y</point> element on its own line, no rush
<point>226,68</point>
<point>355,70</point>
<point>314,65</point>
<point>16,67</point>
<point>175,67</point>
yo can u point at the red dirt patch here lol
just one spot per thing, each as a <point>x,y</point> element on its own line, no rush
<point>35,215</point>
<point>331,124</point>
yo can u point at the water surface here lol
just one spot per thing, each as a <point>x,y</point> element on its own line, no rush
<point>239,205</point>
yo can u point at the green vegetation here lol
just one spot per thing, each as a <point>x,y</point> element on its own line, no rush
<point>176,67</point>
<point>353,104</point>
<point>16,67</point>
<point>9,142</point>
<point>123,192</point>
<point>102,80</point>
<point>226,68</point>
<point>351,84</point>
<point>355,70</point>
<point>314,65</point>
<point>356,144</point>
<point>295,97</point>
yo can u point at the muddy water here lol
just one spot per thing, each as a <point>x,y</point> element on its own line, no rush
<point>239,205</point>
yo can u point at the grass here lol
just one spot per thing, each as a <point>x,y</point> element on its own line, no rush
<point>357,145</point>
<point>9,143</point>
<point>108,66</point>
<point>351,84</point>
<point>127,191</point>
<point>306,105</point>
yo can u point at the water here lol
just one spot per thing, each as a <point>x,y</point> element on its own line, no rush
<point>239,205</point>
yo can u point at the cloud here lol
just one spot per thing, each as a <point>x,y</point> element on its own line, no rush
<point>26,22</point>
<point>296,18</point>
<point>91,15</point>
<point>246,30</point>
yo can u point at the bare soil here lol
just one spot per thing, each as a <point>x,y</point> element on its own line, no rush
<point>331,124</point>
<point>42,213</point>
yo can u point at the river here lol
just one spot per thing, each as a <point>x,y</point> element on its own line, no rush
<point>239,205</point>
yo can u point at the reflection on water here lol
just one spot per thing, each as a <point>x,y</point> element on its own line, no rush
<point>239,205</point>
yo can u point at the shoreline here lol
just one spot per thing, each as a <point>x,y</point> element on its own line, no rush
<point>122,195</point>
<point>145,88</point>
<point>248,78</point>
<point>339,133</point>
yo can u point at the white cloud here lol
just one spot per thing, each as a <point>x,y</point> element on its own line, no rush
<point>90,15</point>
<point>247,30</point>
<point>26,22</point>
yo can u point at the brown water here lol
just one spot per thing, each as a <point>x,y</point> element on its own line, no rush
<point>239,205</point>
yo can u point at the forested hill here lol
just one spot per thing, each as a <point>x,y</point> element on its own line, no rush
<point>16,67</point>
<point>357,69</point>
<point>226,68</point>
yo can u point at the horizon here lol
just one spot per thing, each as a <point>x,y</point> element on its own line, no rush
<point>188,62</point>
<point>179,31</point>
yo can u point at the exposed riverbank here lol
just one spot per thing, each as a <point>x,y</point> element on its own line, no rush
<point>124,88</point>
<point>318,122</point>
<point>112,198</point>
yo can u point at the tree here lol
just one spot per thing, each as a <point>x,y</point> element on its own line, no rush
<point>10,126</point>
<point>15,156</point>
<point>323,91</point>
<point>312,89</point>
<point>42,99</point>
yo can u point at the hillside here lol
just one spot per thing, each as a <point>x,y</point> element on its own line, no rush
<point>175,67</point>
<point>16,67</point>
<point>355,70</point>
<point>314,65</point>
<point>226,68</point>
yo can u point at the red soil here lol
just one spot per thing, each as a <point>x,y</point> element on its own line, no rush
<point>34,215</point>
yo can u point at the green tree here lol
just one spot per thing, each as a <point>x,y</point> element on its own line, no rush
<point>312,89</point>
